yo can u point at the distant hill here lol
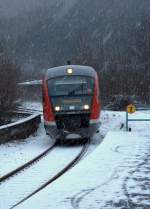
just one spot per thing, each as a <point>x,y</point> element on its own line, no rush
<point>99,33</point>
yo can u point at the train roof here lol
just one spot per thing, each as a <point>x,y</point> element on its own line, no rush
<point>77,70</point>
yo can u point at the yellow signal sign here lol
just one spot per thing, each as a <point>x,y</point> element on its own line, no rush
<point>131,108</point>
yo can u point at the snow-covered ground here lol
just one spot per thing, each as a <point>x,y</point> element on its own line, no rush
<point>114,175</point>
<point>39,173</point>
<point>16,153</point>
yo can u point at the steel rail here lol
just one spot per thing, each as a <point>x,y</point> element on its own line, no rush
<point>59,174</point>
<point>26,165</point>
<point>29,110</point>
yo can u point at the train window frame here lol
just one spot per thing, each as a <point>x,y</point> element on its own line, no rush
<point>68,76</point>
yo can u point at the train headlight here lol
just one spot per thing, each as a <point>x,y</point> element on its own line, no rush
<point>86,107</point>
<point>69,71</point>
<point>57,108</point>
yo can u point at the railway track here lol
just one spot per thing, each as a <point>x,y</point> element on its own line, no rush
<point>26,165</point>
<point>59,174</point>
<point>70,160</point>
<point>29,110</point>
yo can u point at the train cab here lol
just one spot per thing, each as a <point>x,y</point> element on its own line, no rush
<point>71,102</point>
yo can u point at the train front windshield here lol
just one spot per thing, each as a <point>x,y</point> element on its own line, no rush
<point>70,86</point>
<point>71,93</point>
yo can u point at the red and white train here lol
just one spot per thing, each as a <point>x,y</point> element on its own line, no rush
<point>71,102</point>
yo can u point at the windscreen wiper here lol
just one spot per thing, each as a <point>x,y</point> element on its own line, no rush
<point>74,90</point>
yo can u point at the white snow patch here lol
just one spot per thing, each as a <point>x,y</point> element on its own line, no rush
<point>99,180</point>
<point>23,120</point>
<point>16,153</point>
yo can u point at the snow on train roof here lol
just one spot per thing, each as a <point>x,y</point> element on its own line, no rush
<point>77,70</point>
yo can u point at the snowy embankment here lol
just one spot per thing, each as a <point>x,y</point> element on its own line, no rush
<point>17,153</point>
<point>105,179</point>
<point>116,174</point>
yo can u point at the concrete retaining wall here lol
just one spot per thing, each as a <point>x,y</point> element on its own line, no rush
<point>20,129</point>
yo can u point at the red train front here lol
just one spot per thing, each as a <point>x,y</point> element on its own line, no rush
<point>71,103</point>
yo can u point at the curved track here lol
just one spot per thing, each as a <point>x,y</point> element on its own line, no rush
<point>59,174</point>
<point>39,173</point>
<point>33,162</point>
<point>26,165</point>
<point>29,110</point>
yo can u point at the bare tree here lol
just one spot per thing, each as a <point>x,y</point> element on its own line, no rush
<point>9,77</point>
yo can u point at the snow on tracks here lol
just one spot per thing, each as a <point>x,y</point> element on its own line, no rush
<point>26,165</point>
<point>103,179</point>
<point>44,172</point>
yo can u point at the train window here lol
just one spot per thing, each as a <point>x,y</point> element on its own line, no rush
<point>71,86</point>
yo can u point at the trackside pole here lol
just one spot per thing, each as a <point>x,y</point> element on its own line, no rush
<point>130,110</point>
<point>126,120</point>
